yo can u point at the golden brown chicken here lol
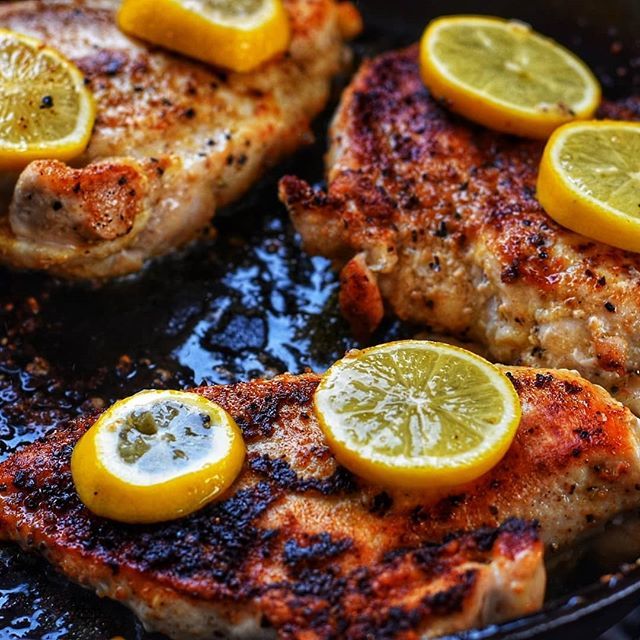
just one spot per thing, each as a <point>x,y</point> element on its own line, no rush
<point>437,221</point>
<point>173,140</point>
<point>300,548</point>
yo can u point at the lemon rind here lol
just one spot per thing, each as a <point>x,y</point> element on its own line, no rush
<point>109,495</point>
<point>576,209</point>
<point>14,156</point>
<point>432,472</point>
<point>489,110</point>
<point>226,45</point>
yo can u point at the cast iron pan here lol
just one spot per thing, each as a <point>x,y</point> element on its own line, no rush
<point>250,304</point>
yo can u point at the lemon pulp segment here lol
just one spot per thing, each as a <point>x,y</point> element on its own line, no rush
<point>46,111</point>
<point>417,413</point>
<point>505,76</point>
<point>156,456</point>
<point>236,34</point>
<point>239,13</point>
<point>589,181</point>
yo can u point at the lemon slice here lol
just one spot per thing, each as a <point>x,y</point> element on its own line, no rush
<point>236,34</point>
<point>156,456</point>
<point>589,181</point>
<point>505,76</point>
<point>417,414</point>
<point>45,109</point>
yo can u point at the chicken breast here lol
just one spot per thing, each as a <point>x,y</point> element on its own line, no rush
<point>300,548</point>
<point>173,140</point>
<point>436,220</point>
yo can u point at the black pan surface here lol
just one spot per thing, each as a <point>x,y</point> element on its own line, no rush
<point>251,304</point>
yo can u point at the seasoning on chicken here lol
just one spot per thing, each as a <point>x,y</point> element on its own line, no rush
<point>173,140</point>
<point>300,548</point>
<point>436,219</point>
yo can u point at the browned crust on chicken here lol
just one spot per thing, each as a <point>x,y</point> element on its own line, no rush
<point>444,216</point>
<point>196,137</point>
<point>360,298</point>
<point>301,545</point>
<point>101,201</point>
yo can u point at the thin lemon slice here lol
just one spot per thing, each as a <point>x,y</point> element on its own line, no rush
<point>417,414</point>
<point>589,181</point>
<point>156,456</point>
<point>45,109</point>
<point>505,76</point>
<point>236,34</point>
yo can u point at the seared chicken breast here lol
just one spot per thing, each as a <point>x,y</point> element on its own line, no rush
<point>436,220</point>
<point>173,140</point>
<point>300,548</point>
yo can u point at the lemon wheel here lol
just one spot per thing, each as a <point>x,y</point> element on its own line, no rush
<point>236,34</point>
<point>589,181</point>
<point>45,109</point>
<point>156,456</point>
<point>505,76</point>
<point>417,414</point>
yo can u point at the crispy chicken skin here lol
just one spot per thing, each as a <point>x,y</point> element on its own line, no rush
<point>300,548</point>
<point>173,140</point>
<point>438,218</point>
